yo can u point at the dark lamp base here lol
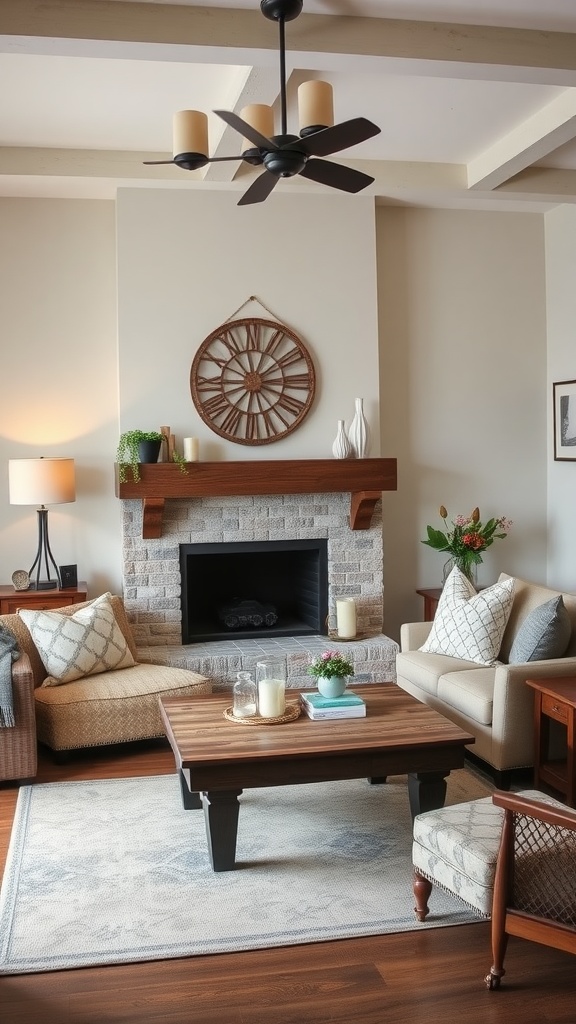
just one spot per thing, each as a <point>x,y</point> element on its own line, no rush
<point>44,585</point>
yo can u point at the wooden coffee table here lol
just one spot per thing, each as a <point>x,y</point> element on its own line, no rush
<point>218,758</point>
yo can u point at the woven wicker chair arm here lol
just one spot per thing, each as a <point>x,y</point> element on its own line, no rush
<point>22,675</point>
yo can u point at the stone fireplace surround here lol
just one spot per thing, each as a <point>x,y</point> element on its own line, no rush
<point>151,578</point>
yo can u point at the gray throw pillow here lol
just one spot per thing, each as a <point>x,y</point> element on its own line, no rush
<point>545,633</point>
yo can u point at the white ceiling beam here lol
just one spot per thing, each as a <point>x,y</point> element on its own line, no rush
<point>539,135</point>
<point>218,35</point>
<point>542,183</point>
<point>261,85</point>
<point>396,182</point>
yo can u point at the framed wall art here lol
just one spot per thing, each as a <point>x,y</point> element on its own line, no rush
<point>564,392</point>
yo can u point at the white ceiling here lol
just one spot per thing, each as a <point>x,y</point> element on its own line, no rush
<point>476,99</point>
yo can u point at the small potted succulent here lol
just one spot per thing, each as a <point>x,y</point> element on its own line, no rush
<point>137,446</point>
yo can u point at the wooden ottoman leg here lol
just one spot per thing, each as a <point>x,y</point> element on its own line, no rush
<point>422,888</point>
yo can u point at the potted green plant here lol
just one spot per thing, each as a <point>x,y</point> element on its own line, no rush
<point>331,670</point>
<point>137,446</point>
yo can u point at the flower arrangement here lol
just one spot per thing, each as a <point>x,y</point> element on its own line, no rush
<point>330,664</point>
<point>466,538</point>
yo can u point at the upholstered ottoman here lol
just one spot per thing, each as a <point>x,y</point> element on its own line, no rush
<point>113,707</point>
<point>456,848</point>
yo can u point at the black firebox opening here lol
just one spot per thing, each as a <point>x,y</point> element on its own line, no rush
<point>254,589</point>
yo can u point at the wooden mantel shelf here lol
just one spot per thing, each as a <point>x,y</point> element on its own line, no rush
<point>364,479</point>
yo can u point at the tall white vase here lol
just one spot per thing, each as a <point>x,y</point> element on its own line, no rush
<point>341,449</point>
<point>358,433</point>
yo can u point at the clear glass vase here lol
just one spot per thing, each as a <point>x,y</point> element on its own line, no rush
<point>468,568</point>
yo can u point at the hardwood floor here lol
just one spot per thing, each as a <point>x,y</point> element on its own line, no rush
<point>431,977</point>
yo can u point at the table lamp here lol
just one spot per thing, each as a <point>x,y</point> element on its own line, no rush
<point>42,482</point>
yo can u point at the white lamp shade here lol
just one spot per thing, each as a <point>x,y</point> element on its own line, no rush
<point>41,481</point>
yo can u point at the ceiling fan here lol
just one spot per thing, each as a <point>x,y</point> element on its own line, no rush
<point>284,155</point>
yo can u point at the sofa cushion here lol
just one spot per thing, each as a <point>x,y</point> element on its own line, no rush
<point>82,644</point>
<point>457,846</point>
<point>113,707</point>
<point>545,633</point>
<point>425,670</point>
<point>468,625</point>
<point>528,596</point>
<point>472,693</point>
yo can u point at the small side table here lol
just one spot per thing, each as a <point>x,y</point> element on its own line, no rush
<point>431,598</point>
<point>555,699</point>
<point>40,600</point>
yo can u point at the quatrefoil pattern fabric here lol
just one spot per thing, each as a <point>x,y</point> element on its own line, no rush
<point>82,644</point>
<point>470,625</point>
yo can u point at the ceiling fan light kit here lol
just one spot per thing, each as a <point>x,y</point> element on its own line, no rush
<point>283,155</point>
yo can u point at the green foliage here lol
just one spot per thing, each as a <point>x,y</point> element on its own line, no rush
<point>466,537</point>
<point>331,663</point>
<point>127,452</point>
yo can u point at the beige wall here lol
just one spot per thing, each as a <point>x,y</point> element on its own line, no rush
<point>561,326</point>
<point>188,260</point>
<point>463,357</point>
<point>58,379</point>
<point>463,389</point>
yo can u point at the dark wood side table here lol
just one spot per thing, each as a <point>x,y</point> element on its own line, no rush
<point>40,600</point>
<point>555,700</point>
<point>431,598</point>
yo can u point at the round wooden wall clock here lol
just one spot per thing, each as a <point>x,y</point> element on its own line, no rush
<point>252,381</point>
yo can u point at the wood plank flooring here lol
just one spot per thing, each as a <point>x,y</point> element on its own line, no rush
<point>431,977</point>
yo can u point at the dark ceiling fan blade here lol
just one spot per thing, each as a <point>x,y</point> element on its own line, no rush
<point>260,189</point>
<point>246,129</point>
<point>339,136</point>
<point>336,175</point>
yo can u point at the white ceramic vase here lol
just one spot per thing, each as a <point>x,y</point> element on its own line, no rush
<point>358,433</point>
<point>341,449</point>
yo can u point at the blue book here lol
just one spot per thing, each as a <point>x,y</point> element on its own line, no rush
<point>347,700</point>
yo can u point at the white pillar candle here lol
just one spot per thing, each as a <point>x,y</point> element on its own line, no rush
<point>346,618</point>
<point>191,449</point>
<point>271,698</point>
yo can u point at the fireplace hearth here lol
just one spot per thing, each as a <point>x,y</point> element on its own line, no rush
<point>244,590</point>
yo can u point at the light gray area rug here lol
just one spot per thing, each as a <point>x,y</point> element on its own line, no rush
<point>115,871</point>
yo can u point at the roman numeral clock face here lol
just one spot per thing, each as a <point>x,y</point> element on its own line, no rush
<point>252,381</point>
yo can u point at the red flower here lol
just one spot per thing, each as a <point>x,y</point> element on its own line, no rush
<point>473,541</point>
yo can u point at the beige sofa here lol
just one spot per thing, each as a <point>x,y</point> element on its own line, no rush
<point>492,703</point>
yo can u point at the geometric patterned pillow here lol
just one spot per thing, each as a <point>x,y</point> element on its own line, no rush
<point>82,644</point>
<point>467,624</point>
<point>545,633</point>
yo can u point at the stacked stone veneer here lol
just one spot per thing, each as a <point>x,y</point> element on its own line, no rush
<point>355,569</point>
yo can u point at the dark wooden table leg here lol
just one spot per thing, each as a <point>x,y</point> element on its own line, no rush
<point>426,791</point>
<point>191,801</point>
<point>221,817</point>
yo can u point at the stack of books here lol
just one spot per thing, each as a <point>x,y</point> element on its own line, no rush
<point>349,705</point>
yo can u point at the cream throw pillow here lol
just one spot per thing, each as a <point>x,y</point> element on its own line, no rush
<point>467,624</point>
<point>82,644</point>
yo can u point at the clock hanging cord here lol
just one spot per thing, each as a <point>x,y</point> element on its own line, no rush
<point>254,298</point>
